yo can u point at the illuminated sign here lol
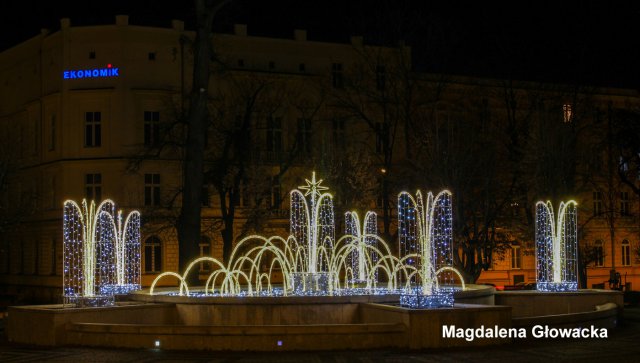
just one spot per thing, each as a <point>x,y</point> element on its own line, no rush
<point>110,71</point>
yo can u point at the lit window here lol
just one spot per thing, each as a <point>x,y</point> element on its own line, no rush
<point>152,255</point>
<point>567,112</point>
<point>626,249</point>
<point>516,257</point>
<point>93,186</point>
<point>152,189</point>
<point>92,129</point>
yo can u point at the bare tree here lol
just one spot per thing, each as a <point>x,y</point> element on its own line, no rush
<point>235,164</point>
<point>196,125</point>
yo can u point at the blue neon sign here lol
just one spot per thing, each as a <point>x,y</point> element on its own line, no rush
<point>109,71</point>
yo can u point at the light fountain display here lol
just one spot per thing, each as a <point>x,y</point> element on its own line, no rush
<point>557,247</point>
<point>425,241</point>
<point>101,253</point>
<point>311,262</point>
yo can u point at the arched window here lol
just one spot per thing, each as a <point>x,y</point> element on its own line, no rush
<point>152,255</point>
<point>516,257</point>
<point>599,253</point>
<point>205,251</point>
<point>626,256</point>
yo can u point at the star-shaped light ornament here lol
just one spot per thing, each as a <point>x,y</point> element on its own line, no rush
<point>313,187</point>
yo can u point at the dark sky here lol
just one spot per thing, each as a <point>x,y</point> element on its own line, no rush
<point>564,41</point>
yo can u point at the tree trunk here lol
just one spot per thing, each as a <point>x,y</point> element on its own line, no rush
<point>190,219</point>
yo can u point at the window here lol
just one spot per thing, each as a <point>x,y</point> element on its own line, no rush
<point>275,193</point>
<point>35,261</point>
<point>52,133</point>
<point>152,255</point>
<point>205,251</point>
<point>599,253</point>
<point>304,135</point>
<point>152,189</point>
<point>623,166</point>
<point>302,67</point>
<point>338,132</point>
<point>624,203</point>
<point>151,128</point>
<point>515,209</point>
<point>206,200</point>
<point>337,77</point>
<point>597,203</point>
<point>516,257</point>
<point>272,65</point>
<point>518,279</point>
<point>379,132</point>
<point>567,111</point>
<point>626,249</point>
<point>53,256</point>
<point>152,56</point>
<point>92,54</point>
<point>93,187</point>
<point>92,129</point>
<point>381,78</point>
<point>240,62</point>
<point>274,134</point>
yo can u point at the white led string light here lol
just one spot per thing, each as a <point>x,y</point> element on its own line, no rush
<point>101,256</point>
<point>311,262</point>
<point>361,258</point>
<point>425,243</point>
<point>557,247</point>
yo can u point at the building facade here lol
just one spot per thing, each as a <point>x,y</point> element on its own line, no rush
<point>95,112</point>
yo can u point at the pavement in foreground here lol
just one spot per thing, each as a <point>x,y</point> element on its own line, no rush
<point>623,345</point>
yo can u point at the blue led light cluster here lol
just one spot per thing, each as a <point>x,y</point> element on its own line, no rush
<point>417,300</point>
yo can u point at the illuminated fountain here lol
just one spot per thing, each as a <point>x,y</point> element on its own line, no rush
<point>101,254</point>
<point>557,247</point>
<point>311,262</point>
<point>363,238</point>
<point>312,225</point>
<point>425,237</point>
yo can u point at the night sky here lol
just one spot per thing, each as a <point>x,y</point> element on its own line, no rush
<point>586,43</point>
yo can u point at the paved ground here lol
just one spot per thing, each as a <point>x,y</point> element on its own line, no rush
<point>623,345</point>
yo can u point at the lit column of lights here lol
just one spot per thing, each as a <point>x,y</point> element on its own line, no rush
<point>312,224</point>
<point>556,247</point>
<point>96,250</point>
<point>81,233</point>
<point>425,238</point>
<point>363,238</point>
<point>121,253</point>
